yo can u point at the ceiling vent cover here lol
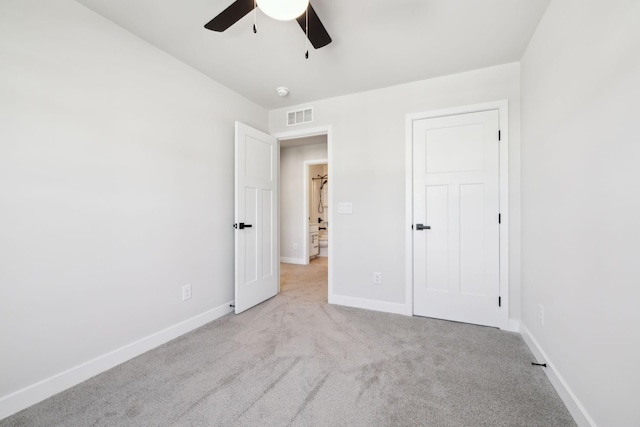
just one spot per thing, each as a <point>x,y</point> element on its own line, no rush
<point>299,117</point>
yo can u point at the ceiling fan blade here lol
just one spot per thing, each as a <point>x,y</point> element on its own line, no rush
<point>318,35</point>
<point>230,15</point>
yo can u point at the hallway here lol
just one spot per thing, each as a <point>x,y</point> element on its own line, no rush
<point>309,280</point>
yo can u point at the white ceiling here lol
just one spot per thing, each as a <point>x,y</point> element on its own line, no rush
<point>376,43</point>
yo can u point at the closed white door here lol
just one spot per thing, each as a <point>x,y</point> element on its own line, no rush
<point>456,223</point>
<point>257,265</point>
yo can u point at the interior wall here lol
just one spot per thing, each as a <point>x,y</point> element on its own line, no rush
<point>368,170</point>
<point>581,201</point>
<point>116,189</point>
<point>291,197</point>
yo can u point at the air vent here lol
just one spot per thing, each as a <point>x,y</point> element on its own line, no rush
<point>299,117</point>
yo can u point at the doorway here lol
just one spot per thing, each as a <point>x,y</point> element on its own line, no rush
<point>302,155</point>
<point>315,199</point>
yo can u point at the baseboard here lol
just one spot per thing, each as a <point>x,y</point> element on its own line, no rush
<point>44,389</point>
<point>570,400</point>
<point>299,261</point>
<point>514,325</point>
<point>370,304</point>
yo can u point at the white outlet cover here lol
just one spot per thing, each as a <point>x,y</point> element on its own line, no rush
<point>186,292</point>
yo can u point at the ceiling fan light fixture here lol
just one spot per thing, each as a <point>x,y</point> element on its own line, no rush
<point>283,10</point>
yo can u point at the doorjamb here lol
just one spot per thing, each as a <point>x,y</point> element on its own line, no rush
<point>302,133</point>
<point>503,115</point>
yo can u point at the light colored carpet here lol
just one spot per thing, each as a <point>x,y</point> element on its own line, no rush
<point>295,360</point>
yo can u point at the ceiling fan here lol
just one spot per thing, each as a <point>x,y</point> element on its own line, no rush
<point>309,21</point>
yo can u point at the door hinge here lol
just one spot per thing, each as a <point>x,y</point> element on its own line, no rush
<point>499,301</point>
<point>499,218</point>
<point>499,136</point>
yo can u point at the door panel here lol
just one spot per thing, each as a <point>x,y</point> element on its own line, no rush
<point>437,246</point>
<point>256,194</point>
<point>456,261</point>
<point>454,149</point>
<point>471,239</point>
<point>249,237</point>
<point>258,158</point>
<point>267,234</point>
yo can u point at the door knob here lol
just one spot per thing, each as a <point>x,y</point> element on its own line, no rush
<point>242,226</point>
<point>423,227</point>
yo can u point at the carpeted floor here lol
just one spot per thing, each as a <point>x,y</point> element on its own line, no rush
<point>295,360</point>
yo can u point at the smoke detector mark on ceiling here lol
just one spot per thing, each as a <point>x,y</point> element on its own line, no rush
<point>299,116</point>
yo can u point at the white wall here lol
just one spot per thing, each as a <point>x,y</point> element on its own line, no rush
<point>291,197</point>
<point>368,170</point>
<point>116,188</point>
<point>581,201</point>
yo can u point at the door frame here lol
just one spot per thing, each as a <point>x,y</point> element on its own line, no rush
<point>303,133</point>
<point>306,200</point>
<point>503,115</point>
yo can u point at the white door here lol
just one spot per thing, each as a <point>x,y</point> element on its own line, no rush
<point>256,217</point>
<point>456,195</point>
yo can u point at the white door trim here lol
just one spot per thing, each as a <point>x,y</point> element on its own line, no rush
<point>503,116</point>
<point>302,133</point>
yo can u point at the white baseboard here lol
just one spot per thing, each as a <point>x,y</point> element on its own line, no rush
<point>21,399</point>
<point>570,400</point>
<point>288,260</point>
<point>514,325</point>
<point>370,304</point>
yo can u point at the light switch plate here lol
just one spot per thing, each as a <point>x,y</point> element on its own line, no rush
<point>345,208</point>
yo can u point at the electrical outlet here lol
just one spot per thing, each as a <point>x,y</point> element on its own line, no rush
<point>541,314</point>
<point>186,292</point>
<point>295,246</point>
<point>377,278</point>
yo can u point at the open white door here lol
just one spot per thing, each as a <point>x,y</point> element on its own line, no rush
<point>256,217</point>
